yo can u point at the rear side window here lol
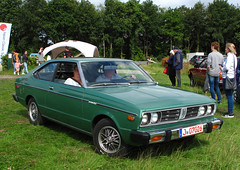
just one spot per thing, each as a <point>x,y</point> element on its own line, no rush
<point>64,71</point>
<point>47,72</point>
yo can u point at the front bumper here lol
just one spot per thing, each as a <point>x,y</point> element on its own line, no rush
<point>15,97</point>
<point>144,138</point>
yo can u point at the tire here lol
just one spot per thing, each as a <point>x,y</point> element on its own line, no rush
<point>192,83</point>
<point>35,116</point>
<point>236,95</point>
<point>107,139</point>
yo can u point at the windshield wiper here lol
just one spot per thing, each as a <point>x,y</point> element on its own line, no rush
<point>109,84</point>
<point>138,82</point>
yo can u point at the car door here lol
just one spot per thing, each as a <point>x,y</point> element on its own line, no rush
<point>39,87</point>
<point>65,101</point>
<point>199,73</point>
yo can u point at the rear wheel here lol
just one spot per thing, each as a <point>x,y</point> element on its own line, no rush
<point>236,95</point>
<point>107,139</point>
<point>35,117</point>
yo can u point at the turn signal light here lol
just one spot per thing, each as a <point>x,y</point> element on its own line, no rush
<point>214,126</point>
<point>156,138</point>
<point>131,118</point>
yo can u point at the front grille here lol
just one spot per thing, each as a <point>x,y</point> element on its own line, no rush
<point>170,115</point>
<point>191,112</point>
<point>178,114</point>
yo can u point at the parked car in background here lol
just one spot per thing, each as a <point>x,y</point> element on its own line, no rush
<point>197,59</point>
<point>34,55</point>
<point>128,109</point>
<point>197,74</point>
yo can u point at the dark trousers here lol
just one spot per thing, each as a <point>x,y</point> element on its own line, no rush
<point>172,75</point>
<point>178,75</point>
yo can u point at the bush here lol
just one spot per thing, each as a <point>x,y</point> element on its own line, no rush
<point>5,62</point>
<point>32,61</point>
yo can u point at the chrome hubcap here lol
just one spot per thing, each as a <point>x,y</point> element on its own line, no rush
<point>109,139</point>
<point>33,112</point>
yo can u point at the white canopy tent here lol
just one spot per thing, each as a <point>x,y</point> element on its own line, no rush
<point>88,50</point>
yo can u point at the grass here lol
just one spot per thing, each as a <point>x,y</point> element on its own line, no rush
<point>52,146</point>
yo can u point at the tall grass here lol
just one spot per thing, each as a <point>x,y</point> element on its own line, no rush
<point>52,146</point>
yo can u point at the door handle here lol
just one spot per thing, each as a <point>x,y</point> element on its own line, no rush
<point>51,87</point>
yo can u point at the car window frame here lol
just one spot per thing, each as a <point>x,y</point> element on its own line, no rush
<point>36,73</point>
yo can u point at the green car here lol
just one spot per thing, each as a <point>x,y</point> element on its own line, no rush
<point>115,101</point>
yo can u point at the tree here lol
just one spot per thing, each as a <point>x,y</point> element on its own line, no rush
<point>9,10</point>
<point>195,24</point>
<point>221,22</point>
<point>172,26</point>
<point>151,28</point>
<point>30,24</point>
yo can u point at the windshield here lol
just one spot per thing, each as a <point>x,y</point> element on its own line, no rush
<point>108,73</point>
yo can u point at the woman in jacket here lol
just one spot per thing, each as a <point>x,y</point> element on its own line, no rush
<point>229,70</point>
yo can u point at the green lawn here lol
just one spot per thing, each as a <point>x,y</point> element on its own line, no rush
<point>52,146</point>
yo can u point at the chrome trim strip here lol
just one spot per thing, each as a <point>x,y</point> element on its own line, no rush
<point>91,102</point>
<point>175,132</point>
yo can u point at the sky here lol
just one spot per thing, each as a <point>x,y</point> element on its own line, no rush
<point>172,3</point>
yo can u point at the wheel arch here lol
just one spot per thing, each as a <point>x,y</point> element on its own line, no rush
<point>100,117</point>
<point>28,98</point>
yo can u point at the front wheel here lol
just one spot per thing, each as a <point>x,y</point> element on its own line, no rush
<point>35,117</point>
<point>192,83</point>
<point>107,139</point>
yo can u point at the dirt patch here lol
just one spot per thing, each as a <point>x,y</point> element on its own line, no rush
<point>7,77</point>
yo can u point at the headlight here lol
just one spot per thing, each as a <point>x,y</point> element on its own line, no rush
<point>154,118</point>
<point>209,110</point>
<point>144,119</point>
<point>201,111</point>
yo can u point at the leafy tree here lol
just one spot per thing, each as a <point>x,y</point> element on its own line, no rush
<point>9,10</point>
<point>59,19</point>
<point>221,17</point>
<point>151,28</point>
<point>30,25</point>
<point>117,26</point>
<point>195,24</point>
<point>172,26</point>
<point>135,17</point>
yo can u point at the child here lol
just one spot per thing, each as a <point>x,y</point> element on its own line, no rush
<point>17,66</point>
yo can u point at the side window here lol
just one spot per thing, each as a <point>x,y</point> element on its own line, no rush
<point>64,71</point>
<point>47,72</point>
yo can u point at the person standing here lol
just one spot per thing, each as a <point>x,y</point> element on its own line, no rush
<point>40,57</point>
<point>14,59</point>
<point>171,69</point>
<point>67,53</point>
<point>229,70</point>
<point>24,61</point>
<point>17,66</point>
<point>214,62</point>
<point>178,64</point>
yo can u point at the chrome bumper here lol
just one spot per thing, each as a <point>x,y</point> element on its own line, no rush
<point>173,134</point>
<point>143,138</point>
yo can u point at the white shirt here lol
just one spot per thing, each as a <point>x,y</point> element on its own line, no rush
<point>228,66</point>
<point>72,82</point>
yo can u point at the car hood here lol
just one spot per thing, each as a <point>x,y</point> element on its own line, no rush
<point>153,97</point>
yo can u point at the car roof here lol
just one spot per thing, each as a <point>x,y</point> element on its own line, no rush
<point>88,59</point>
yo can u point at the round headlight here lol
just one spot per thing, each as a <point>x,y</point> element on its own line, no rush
<point>201,111</point>
<point>144,119</point>
<point>154,118</point>
<point>209,110</point>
